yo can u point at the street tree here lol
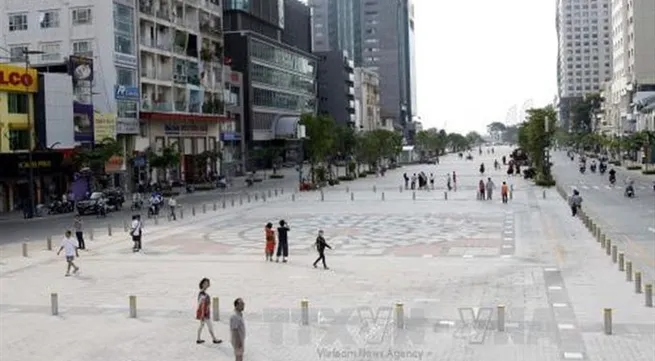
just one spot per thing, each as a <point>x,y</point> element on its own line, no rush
<point>535,138</point>
<point>319,130</point>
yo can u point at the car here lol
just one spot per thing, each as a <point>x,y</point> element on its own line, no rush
<point>95,204</point>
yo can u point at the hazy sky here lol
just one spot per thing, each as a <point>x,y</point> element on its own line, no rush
<point>476,59</point>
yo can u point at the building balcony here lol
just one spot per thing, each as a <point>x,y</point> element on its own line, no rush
<point>181,106</point>
<point>162,107</point>
<point>147,42</point>
<point>164,14</point>
<point>164,75</point>
<point>149,73</point>
<point>213,5</point>
<point>195,108</point>
<point>146,8</point>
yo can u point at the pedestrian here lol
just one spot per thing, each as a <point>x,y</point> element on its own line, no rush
<point>70,251</point>
<point>406,178</point>
<point>414,181</point>
<point>136,232</point>
<point>270,241</point>
<point>238,329</point>
<point>283,241</point>
<point>575,201</point>
<point>172,204</point>
<point>432,180</point>
<point>203,312</point>
<point>481,190</point>
<point>321,245</point>
<point>78,226</point>
<point>504,190</point>
<point>490,188</point>
<point>448,183</point>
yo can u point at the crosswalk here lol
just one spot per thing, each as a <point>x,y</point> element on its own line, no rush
<point>585,186</point>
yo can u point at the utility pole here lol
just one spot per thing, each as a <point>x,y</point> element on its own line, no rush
<point>30,129</point>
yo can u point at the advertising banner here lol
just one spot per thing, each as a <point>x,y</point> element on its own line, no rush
<point>83,122</point>
<point>18,79</point>
<point>104,127</point>
<point>81,70</point>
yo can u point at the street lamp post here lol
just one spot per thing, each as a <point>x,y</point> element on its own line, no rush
<point>30,212</point>
<point>301,135</point>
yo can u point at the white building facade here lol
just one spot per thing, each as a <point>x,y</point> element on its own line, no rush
<point>633,80</point>
<point>367,98</point>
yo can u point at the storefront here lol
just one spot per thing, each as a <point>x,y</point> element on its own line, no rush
<point>192,136</point>
<point>48,172</point>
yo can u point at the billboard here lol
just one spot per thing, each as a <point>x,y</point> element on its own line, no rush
<point>18,79</point>
<point>81,70</point>
<point>104,126</point>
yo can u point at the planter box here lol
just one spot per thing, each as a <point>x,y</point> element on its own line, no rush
<point>276,176</point>
<point>633,167</point>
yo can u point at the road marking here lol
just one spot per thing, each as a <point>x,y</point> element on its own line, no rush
<point>550,269</point>
<point>608,187</point>
<point>506,256</point>
<point>573,355</point>
<point>651,229</point>
<point>468,256</point>
<point>559,305</point>
<point>447,323</point>
<point>555,288</point>
<point>427,256</point>
<point>596,187</point>
<point>508,246</point>
<point>565,326</point>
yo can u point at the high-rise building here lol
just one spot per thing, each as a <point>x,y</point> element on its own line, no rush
<point>336,86</point>
<point>633,80</point>
<point>367,96</point>
<point>181,67</point>
<point>334,24</point>
<point>278,78</point>
<point>584,62</point>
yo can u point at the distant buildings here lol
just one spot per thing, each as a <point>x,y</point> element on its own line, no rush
<point>336,86</point>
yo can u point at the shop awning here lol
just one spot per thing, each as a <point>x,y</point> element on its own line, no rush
<point>285,126</point>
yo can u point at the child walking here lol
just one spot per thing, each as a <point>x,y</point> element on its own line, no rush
<point>270,241</point>
<point>203,313</point>
<point>321,245</point>
<point>69,246</point>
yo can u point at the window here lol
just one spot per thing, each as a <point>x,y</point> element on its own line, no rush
<point>18,22</point>
<point>16,53</point>
<point>51,52</point>
<point>123,29</point>
<point>19,139</point>
<point>83,48</point>
<point>82,16</point>
<point>125,76</point>
<point>17,103</point>
<point>126,109</point>
<point>49,19</point>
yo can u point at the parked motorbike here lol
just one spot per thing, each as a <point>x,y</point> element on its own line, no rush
<point>153,210</point>
<point>592,168</point>
<point>60,207</point>
<point>137,205</point>
<point>582,170</point>
<point>602,169</point>
<point>629,191</point>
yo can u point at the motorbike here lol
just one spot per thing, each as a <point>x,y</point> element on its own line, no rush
<point>153,210</point>
<point>592,168</point>
<point>582,170</point>
<point>629,191</point>
<point>137,205</point>
<point>602,169</point>
<point>59,207</point>
<point>249,182</point>
<point>612,180</point>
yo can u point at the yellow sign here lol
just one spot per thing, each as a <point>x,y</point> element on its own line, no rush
<point>104,126</point>
<point>18,79</point>
<point>35,164</point>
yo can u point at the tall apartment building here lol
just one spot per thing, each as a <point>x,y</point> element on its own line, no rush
<point>336,86</point>
<point>367,96</point>
<point>278,77</point>
<point>633,81</point>
<point>181,68</point>
<point>584,62</point>
<point>382,36</point>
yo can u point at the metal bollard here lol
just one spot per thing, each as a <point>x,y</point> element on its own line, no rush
<point>109,229</point>
<point>382,195</point>
<point>413,196</point>
<point>352,196</point>
<point>214,207</point>
<point>621,262</point>
<point>628,271</point>
<point>25,249</point>
<point>608,247</point>
<point>602,238</point>
<point>125,227</point>
<point>276,192</point>
<point>375,189</point>
<point>240,200</point>
<point>256,197</point>
<point>54,304</point>
<point>637,282</point>
<point>543,194</point>
<point>281,190</point>
<point>615,251</point>
<point>48,243</point>
<point>347,189</point>
<point>181,212</point>
<point>232,202</point>
<point>132,306</point>
<point>322,196</point>
<point>445,195</point>
<point>511,194</point>
<point>223,205</point>
<point>91,234</point>
<point>263,197</point>
<point>156,220</point>
<point>193,211</point>
<point>204,208</point>
<point>269,194</point>
<point>607,320</point>
<point>649,295</point>
<point>501,317</point>
<point>603,242</point>
<point>248,198</point>
<point>216,316</point>
<point>304,312</point>
<point>400,315</point>
<point>400,189</point>
<point>293,197</point>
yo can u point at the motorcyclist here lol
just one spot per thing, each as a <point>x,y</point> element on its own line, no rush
<point>504,160</point>
<point>482,168</point>
<point>612,173</point>
<point>593,165</point>
<point>602,167</point>
<point>630,187</point>
<point>496,164</point>
<point>583,167</point>
<point>155,201</point>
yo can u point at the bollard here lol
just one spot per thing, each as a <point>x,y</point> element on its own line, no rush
<point>400,189</point>
<point>91,234</point>
<point>400,315</point>
<point>54,304</point>
<point>48,243</point>
<point>156,220</point>
<point>125,227</point>
<point>543,194</point>
<point>603,242</point>
<point>608,247</point>
<point>607,320</point>
<point>602,238</point>
<point>109,229</point>
<point>293,197</point>
<point>281,190</point>
<point>263,197</point>
<point>216,316</point>
<point>445,195</point>
<point>276,192</point>
<point>214,207</point>
<point>352,196</point>
<point>269,194</point>
<point>223,205</point>
<point>248,198</point>
<point>413,196</point>
<point>240,200</point>
<point>256,197</point>
<point>382,195</point>
<point>204,208</point>
<point>375,189</point>
<point>347,189</point>
<point>25,249</point>
<point>628,271</point>
<point>511,194</point>
<point>322,196</point>
<point>304,312</point>
<point>500,310</point>
<point>193,211</point>
<point>637,282</point>
<point>132,306</point>
<point>649,295</point>
<point>232,202</point>
<point>181,212</point>
<point>621,262</point>
<point>615,251</point>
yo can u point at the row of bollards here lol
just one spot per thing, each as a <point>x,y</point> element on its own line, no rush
<point>617,257</point>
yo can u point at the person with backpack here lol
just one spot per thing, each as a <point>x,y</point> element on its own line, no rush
<point>321,245</point>
<point>283,241</point>
<point>575,202</point>
<point>136,232</point>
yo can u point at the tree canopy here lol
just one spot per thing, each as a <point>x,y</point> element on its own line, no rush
<point>534,137</point>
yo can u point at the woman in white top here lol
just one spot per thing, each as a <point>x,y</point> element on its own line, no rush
<point>136,232</point>
<point>69,246</point>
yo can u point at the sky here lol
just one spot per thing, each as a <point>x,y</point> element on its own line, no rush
<point>476,59</point>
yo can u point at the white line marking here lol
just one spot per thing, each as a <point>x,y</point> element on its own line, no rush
<point>608,187</point>
<point>511,324</point>
<point>506,256</point>
<point>573,355</point>
<point>508,246</point>
<point>427,256</point>
<point>426,300</point>
<point>565,326</point>
<point>555,288</point>
<point>550,269</point>
<point>468,256</point>
<point>651,229</point>
<point>447,323</point>
<point>596,187</point>
<point>508,238</point>
<point>559,305</point>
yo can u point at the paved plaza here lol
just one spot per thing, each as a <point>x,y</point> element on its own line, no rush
<point>451,260</point>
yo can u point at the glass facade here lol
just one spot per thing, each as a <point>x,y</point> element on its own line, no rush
<point>274,99</point>
<point>124,29</point>
<point>237,4</point>
<point>279,78</point>
<point>126,108</point>
<point>281,58</point>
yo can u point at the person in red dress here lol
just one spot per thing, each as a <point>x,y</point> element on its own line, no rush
<point>270,241</point>
<point>203,312</point>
